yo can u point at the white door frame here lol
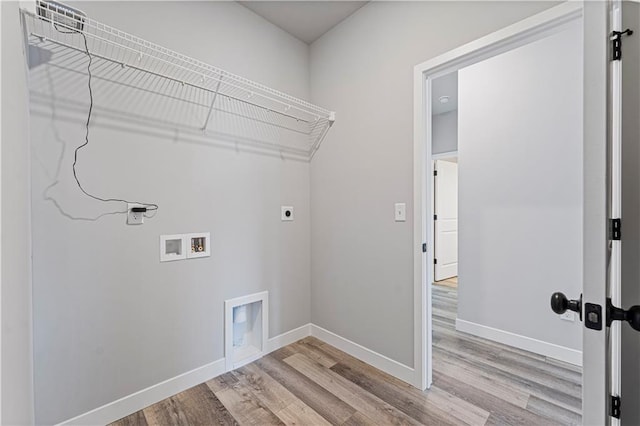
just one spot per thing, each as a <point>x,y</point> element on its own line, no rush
<point>615,268</point>
<point>0,225</point>
<point>521,33</point>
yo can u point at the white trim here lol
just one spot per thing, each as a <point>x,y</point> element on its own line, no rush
<point>127,405</point>
<point>422,309</point>
<point>228,327</point>
<point>122,407</point>
<point>526,31</point>
<point>562,353</point>
<point>287,338</point>
<point>523,32</point>
<point>595,264</point>
<point>366,355</point>
<point>615,262</point>
<point>1,221</point>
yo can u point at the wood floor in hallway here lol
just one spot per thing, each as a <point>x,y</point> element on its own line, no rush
<point>449,282</point>
<point>476,382</point>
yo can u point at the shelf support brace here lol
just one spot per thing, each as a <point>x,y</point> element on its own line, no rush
<point>213,102</point>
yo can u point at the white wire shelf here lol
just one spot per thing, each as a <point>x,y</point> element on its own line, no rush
<point>212,99</point>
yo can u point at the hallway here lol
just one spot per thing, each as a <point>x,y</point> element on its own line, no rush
<point>515,386</point>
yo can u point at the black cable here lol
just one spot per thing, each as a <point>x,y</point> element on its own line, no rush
<point>64,32</point>
<point>149,206</point>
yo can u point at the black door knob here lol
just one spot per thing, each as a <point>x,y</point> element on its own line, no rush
<point>632,315</point>
<point>560,304</point>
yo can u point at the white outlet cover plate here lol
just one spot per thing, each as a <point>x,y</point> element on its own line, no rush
<point>401,212</point>
<point>178,239</point>
<point>134,218</point>
<point>287,217</point>
<point>568,316</point>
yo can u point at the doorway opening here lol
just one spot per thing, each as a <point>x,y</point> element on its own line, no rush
<point>502,153</point>
<point>444,132</point>
<point>517,128</point>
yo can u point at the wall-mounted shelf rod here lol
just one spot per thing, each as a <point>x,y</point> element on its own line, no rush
<point>185,83</point>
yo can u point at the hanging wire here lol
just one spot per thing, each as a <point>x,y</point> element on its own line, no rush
<point>149,206</point>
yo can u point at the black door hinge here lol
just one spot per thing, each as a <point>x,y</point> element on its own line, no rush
<point>615,406</point>
<point>615,229</point>
<point>424,247</point>
<point>616,40</point>
<point>435,173</point>
<point>435,217</point>
<point>435,261</point>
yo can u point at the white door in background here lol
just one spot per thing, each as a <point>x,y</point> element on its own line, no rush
<point>446,223</point>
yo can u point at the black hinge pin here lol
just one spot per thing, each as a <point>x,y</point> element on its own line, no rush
<point>424,247</point>
<point>615,229</point>
<point>435,261</point>
<point>616,39</point>
<point>615,406</point>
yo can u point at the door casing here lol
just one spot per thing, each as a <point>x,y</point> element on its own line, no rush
<point>553,20</point>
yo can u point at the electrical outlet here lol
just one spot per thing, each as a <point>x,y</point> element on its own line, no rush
<point>286,213</point>
<point>568,316</point>
<point>134,218</point>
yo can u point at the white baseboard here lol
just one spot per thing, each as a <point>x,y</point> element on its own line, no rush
<point>547,349</point>
<point>122,407</point>
<point>287,338</point>
<point>372,358</point>
<point>137,401</point>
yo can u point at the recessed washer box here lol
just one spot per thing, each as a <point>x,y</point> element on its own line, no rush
<point>198,244</point>
<point>172,247</point>
<point>246,329</point>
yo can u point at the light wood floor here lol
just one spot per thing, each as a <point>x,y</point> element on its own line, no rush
<point>449,282</point>
<point>475,382</point>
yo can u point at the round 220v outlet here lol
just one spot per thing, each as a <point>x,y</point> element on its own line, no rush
<point>287,214</point>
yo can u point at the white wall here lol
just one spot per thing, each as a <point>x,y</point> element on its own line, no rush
<point>109,318</point>
<point>17,360</point>
<point>520,188</point>
<point>445,132</point>
<point>362,263</point>
<point>122,321</point>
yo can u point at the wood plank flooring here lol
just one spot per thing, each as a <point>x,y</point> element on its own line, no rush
<point>476,382</point>
<point>449,282</point>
